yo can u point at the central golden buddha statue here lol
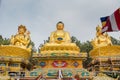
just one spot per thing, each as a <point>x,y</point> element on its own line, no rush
<point>60,42</point>
<point>60,36</point>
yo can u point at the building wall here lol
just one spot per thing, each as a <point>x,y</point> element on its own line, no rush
<point>60,63</point>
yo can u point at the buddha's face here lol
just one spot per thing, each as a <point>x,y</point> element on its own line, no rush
<point>21,30</point>
<point>60,26</point>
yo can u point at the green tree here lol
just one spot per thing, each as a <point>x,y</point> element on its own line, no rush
<point>33,46</point>
<point>76,41</point>
<point>86,46</point>
<point>1,39</point>
<point>86,62</point>
<point>115,41</point>
<point>4,41</point>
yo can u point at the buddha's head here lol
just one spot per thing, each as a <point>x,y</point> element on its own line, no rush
<point>21,29</point>
<point>60,25</point>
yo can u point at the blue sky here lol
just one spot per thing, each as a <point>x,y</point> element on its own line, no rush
<point>40,17</point>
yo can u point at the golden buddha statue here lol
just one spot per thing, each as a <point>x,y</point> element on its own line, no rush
<point>60,36</point>
<point>60,42</point>
<point>102,39</point>
<point>22,38</point>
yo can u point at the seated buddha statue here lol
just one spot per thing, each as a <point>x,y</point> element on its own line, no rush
<point>60,41</point>
<point>102,39</point>
<point>60,36</point>
<point>22,38</point>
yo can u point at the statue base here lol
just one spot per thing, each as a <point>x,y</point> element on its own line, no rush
<point>105,51</point>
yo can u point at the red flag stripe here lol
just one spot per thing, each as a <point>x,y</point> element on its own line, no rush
<point>109,25</point>
<point>117,17</point>
<point>113,23</point>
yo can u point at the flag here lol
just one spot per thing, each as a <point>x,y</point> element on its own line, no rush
<point>112,22</point>
<point>103,20</point>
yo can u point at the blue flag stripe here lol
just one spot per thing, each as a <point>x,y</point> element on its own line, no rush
<point>103,19</point>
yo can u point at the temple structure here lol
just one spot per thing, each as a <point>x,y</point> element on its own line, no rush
<point>106,57</point>
<point>15,57</point>
<point>59,58</point>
